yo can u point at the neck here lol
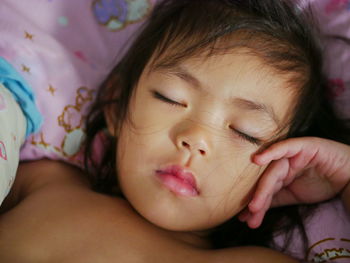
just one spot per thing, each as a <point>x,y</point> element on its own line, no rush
<point>195,239</point>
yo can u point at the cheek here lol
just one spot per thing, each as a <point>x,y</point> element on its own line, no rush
<point>145,134</point>
<point>144,114</point>
<point>235,182</point>
<point>139,148</point>
<point>240,178</point>
<point>234,157</point>
<point>131,148</point>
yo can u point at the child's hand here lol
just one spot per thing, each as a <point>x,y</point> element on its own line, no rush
<point>301,170</point>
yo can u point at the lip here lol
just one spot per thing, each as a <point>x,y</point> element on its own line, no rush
<point>178,180</point>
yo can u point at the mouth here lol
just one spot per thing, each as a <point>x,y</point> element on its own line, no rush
<point>178,180</point>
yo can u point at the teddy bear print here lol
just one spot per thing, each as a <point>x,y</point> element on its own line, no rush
<point>72,119</point>
<point>117,14</point>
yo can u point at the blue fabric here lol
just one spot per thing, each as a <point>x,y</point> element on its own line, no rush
<point>23,94</point>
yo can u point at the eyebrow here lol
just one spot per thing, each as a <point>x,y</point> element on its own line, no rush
<point>195,83</point>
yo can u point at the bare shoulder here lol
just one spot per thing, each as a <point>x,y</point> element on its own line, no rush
<point>59,219</point>
<point>52,210</point>
<point>32,176</point>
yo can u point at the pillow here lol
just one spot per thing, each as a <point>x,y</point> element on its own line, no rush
<point>334,19</point>
<point>64,50</point>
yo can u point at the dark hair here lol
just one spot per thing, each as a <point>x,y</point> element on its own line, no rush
<point>274,30</point>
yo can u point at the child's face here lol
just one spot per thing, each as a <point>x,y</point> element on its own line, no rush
<point>184,160</point>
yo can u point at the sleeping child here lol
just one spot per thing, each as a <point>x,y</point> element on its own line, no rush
<point>177,127</point>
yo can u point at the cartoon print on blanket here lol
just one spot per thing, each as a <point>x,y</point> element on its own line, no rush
<point>325,250</point>
<point>72,121</point>
<point>335,5</point>
<point>3,154</point>
<point>117,14</point>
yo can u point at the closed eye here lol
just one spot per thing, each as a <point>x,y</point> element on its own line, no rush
<point>246,137</point>
<point>159,96</point>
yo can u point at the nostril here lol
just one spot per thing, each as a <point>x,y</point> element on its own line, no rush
<point>185,144</point>
<point>189,147</point>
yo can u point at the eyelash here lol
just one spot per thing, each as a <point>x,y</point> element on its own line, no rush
<point>246,137</point>
<point>159,96</point>
<point>242,135</point>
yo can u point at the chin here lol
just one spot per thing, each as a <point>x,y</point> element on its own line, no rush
<point>175,220</point>
<point>175,225</point>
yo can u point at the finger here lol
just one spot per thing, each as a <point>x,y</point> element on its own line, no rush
<point>244,215</point>
<point>270,182</point>
<point>255,219</point>
<point>279,150</point>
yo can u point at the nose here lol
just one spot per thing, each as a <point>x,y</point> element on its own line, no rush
<point>194,139</point>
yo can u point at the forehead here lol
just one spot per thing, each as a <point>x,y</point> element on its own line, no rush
<point>237,78</point>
